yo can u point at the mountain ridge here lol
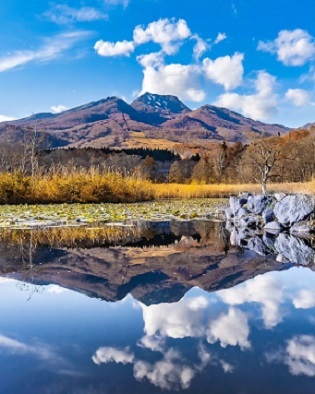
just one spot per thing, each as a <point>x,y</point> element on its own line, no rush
<point>112,121</point>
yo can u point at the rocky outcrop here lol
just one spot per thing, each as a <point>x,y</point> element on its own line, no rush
<point>274,225</point>
<point>283,247</point>
<point>294,249</point>
<point>294,208</point>
<point>274,212</point>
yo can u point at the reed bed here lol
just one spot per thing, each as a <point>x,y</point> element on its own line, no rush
<point>76,187</point>
<point>173,190</point>
<point>95,187</point>
<point>70,236</point>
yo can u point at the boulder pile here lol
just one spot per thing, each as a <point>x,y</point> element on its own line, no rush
<point>278,212</point>
<point>277,225</point>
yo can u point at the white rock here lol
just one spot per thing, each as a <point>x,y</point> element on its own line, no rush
<point>294,249</point>
<point>294,208</point>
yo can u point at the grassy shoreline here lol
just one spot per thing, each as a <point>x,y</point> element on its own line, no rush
<point>93,187</point>
<point>225,190</point>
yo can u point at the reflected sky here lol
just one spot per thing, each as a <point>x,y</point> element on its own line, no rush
<point>255,337</point>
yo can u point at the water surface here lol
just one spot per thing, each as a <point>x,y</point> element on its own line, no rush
<point>152,307</point>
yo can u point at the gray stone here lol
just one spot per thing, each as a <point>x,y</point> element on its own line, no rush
<point>250,221</point>
<point>279,196</point>
<point>257,204</point>
<point>229,214</point>
<point>294,249</point>
<point>281,259</point>
<point>274,226</point>
<point>243,201</point>
<point>234,238</point>
<point>268,215</point>
<point>303,227</point>
<point>256,245</point>
<point>229,225</point>
<point>250,203</point>
<point>268,241</point>
<point>245,195</point>
<point>234,205</point>
<point>294,208</point>
<point>245,233</point>
<point>242,212</point>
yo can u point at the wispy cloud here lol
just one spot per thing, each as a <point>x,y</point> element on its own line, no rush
<point>41,351</point>
<point>220,37</point>
<point>51,49</point>
<point>63,14</point>
<point>124,3</point>
<point>200,47</point>
<point>234,9</point>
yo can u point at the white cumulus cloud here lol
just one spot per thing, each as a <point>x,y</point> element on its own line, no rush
<point>300,355</point>
<point>168,33</point>
<point>226,70</point>
<point>167,374</point>
<point>154,59</point>
<point>57,109</point>
<point>304,300</point>
<point>55,289</point>
<point>292,47</point>
<point>119,48</point>
<point>298,97</point>
<point>230,329</point>
<point>176,79</point>
<point>154,343</point>
<point>260,105</point>
<point>4,118</point>
<point>264,290</point>
<point>180,320</point>
<point>105,355</point>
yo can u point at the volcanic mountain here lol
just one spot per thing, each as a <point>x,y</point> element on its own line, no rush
<point>158,109</point>
<point>151,118</point>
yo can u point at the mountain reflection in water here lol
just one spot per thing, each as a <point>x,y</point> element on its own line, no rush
<point>185,311</point>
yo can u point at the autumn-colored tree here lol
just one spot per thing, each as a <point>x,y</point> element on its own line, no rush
<point>203,171</point>
<point>146,168</point>
<point>181,171</point>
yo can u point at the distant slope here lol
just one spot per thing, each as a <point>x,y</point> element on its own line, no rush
<point>217,123</point>
<point>113,122</point>
<point>309,126</point>
<point>110,108</point>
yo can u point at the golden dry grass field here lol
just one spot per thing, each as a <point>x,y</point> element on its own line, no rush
<point>94,187</point>
<point>173,190</point>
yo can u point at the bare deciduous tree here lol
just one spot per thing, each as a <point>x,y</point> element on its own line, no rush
<point>263,157</point>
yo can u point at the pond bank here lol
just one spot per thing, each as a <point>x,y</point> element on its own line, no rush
<point>30,216</point>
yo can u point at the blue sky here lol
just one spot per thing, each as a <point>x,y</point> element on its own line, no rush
<point>255,57</point>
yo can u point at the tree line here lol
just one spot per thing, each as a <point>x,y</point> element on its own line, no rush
<point>289,158</point>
